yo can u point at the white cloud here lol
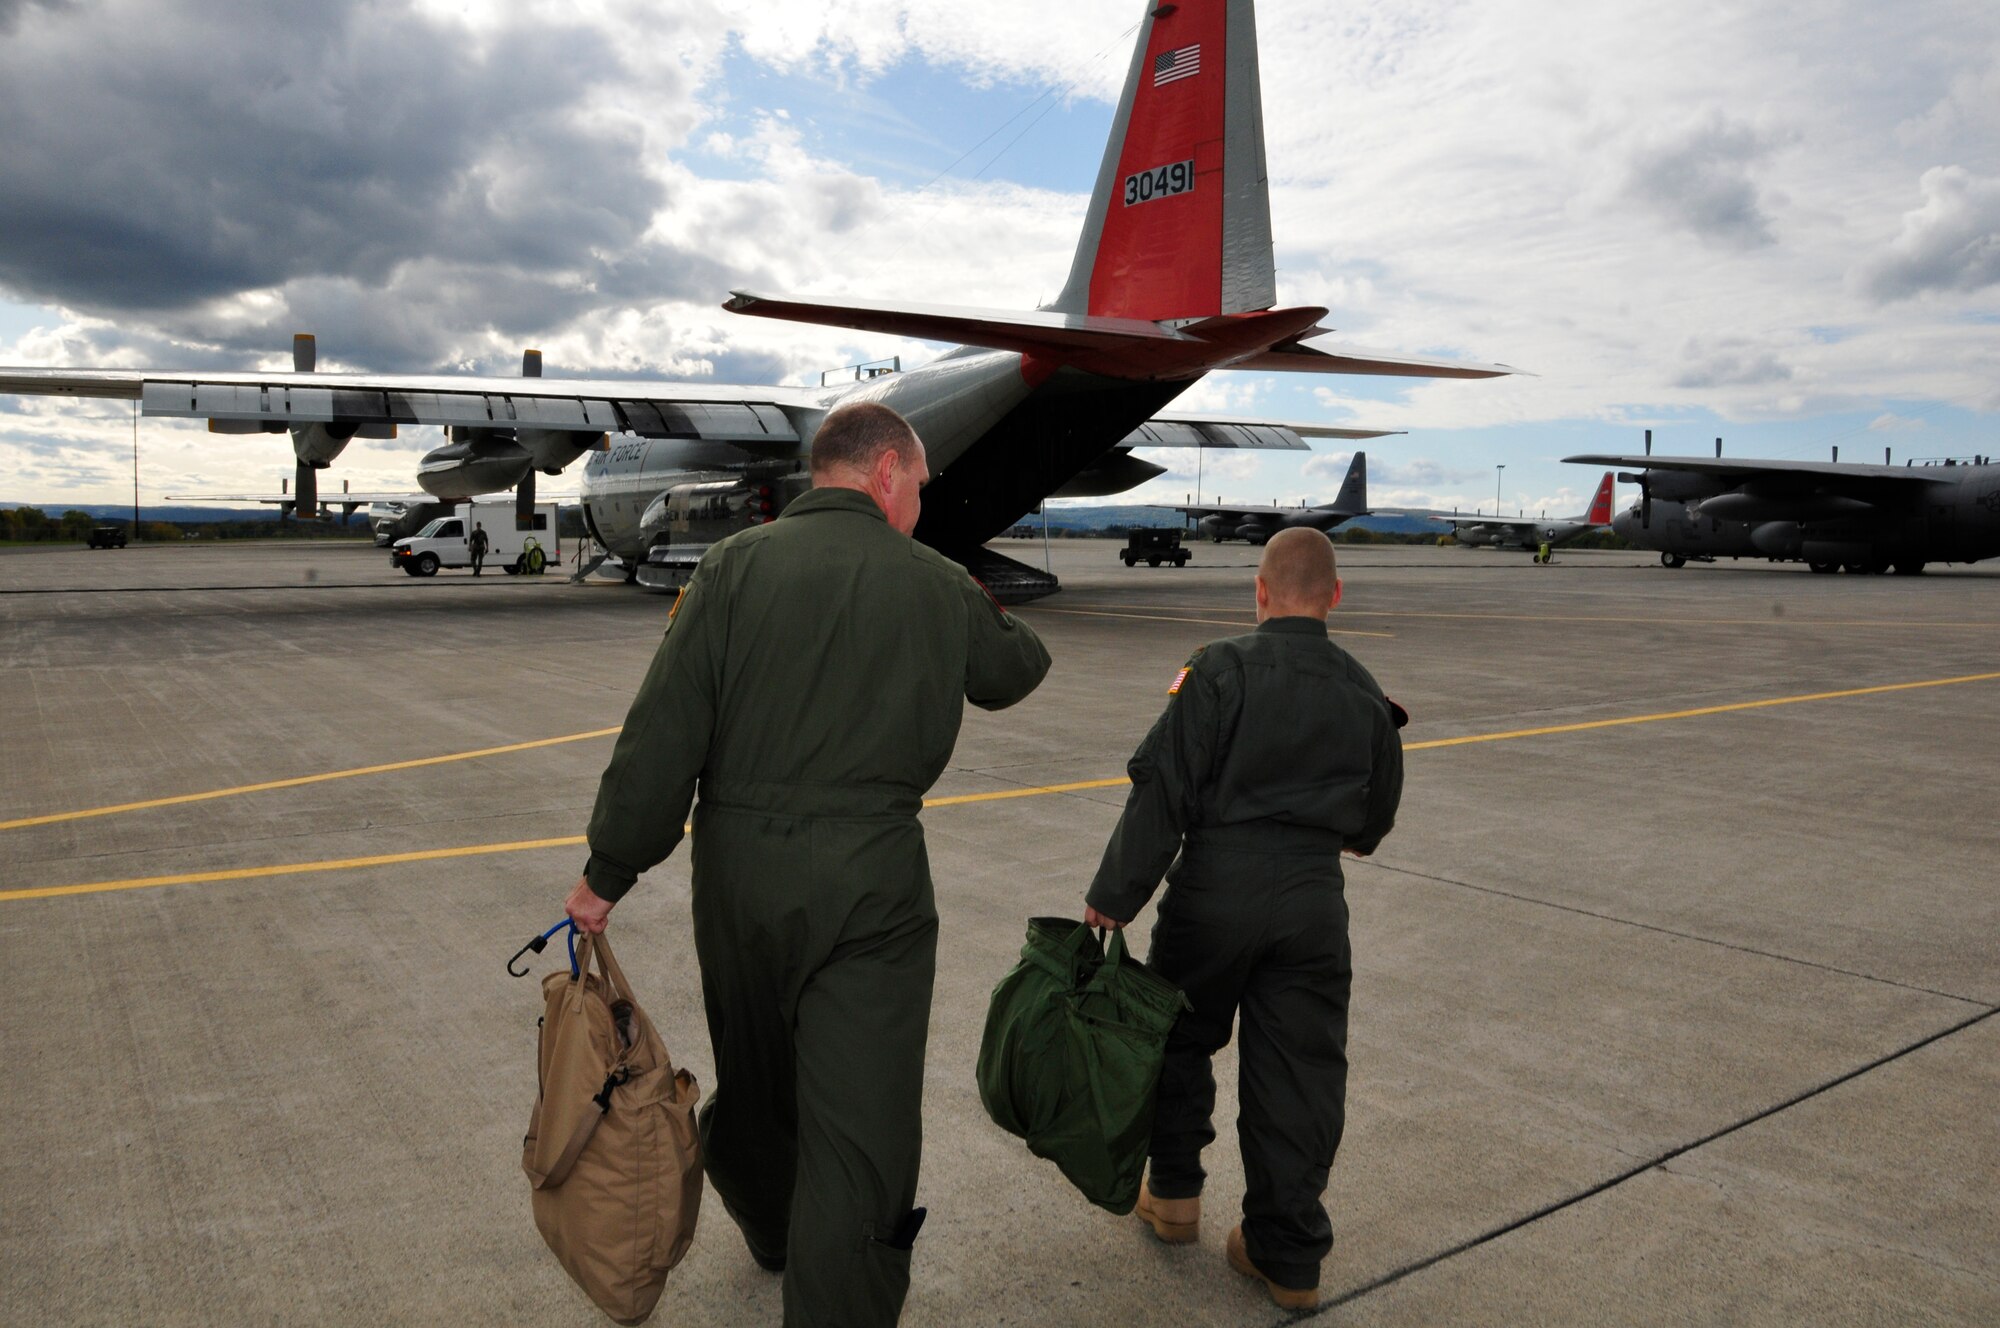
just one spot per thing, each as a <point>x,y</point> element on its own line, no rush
<point>1951,243</point>
<point>1659,212</point>
<point>1890,422</point>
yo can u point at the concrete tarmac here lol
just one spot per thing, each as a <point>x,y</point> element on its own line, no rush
<point>1674,987</point>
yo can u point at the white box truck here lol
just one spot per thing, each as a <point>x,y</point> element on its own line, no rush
<point>445,543</point>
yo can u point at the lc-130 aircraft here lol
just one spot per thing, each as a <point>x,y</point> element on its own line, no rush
<point>1831,515</point>
<point>1525,532</point>
<point>1221,521</point>
<point>1172,278</point>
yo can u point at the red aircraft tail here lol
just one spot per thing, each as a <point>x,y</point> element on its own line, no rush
<point>1180,222</point>
<point>1600,506</point>
<point>1173,273</point>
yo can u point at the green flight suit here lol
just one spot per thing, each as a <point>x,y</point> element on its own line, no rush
<point>1276,751</point>
<point>811,683</point>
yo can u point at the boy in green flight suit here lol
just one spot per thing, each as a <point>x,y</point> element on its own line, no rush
<point>1276,753</point>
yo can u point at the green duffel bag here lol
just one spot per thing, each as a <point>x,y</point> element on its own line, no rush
<point>1075,1036</point>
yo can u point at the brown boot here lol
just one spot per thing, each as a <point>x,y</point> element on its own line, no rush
<point>1174,1221</point>
<point>1287,1298</point>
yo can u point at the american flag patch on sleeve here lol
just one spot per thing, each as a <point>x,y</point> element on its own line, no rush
<point>1179,678</point>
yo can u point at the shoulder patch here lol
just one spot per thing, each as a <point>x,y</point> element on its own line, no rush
<point>1180,678</point>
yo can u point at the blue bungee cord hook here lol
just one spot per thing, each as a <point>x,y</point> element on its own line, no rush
<point>540,943</point>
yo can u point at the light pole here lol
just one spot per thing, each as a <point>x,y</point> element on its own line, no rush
<point>1496,487</point>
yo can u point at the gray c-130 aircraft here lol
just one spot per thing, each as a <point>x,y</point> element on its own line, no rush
<point>1830,515</point>
<point>1173,277</point>
<point>1221,521</point>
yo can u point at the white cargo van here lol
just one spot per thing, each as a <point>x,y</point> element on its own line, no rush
<point>443,543</point>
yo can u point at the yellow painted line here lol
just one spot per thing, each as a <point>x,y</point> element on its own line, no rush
<point>957,800</point>
<point>53,817</point>
<point>1206,622</point>
<point>1768,620</point>
<point>1699,711</point>
<point>291,868</point>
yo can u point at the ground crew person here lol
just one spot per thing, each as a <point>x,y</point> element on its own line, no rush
<point>1275,753</point>
<point>811,683</point>
<point>477,542</point>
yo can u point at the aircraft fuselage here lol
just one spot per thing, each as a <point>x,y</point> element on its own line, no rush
<point>996,445</point>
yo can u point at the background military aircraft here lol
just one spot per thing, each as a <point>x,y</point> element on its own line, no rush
<point>1172,278</point>
<point>1831,515</point>
<point>1523,532</point>
<point>1220,521</point>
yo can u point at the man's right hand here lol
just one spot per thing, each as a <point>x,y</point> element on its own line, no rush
<point>1092,918</point>
<point>586,909</point>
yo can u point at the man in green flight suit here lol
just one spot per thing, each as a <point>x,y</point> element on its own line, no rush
<point>1276,752</point>
<point>811,683</point>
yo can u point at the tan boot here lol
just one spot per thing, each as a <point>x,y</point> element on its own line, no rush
<point>1286,1298</point>
<point>1174,1221</point>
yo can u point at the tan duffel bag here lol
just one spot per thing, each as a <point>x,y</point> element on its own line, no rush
<point>611,1149</point>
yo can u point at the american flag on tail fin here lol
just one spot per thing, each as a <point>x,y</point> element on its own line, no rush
<point>1171,65</point>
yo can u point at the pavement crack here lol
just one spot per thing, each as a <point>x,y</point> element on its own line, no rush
<point>1658,1161</point>
<point>1680,935</point>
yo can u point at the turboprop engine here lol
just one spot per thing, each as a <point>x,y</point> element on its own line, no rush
<point>315,444</point>
<point>478,460</point>
<point>474,461</point>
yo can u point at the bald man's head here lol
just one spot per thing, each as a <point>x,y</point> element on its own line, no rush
<point>1297,576</point>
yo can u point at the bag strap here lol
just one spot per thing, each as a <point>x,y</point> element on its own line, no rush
<point>607,964</point>
<point>579,1139</point>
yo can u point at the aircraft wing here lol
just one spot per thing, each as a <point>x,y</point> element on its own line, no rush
<point>326,499</point>
<point>1174,429</point>
<point>1502,522</point>
<point>744,416</point>
<point>1747,468</point>
<point>1226,509</point>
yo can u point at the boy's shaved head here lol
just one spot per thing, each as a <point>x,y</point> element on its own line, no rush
<point>1298,572</point>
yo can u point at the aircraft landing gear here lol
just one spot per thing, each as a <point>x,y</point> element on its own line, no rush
<point>1672,560</point>
<point>1910,567</point>
<point>1822,568</point>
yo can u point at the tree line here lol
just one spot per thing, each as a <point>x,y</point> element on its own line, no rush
<point>32,525</point>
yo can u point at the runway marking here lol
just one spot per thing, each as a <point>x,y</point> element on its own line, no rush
<point>1784,620</point>
<point>1206,622</point>
<point>295,782</point>
<point>955,800</point>
<point>291,868</point>
<point>1698,711</point>
<point>960,799</point>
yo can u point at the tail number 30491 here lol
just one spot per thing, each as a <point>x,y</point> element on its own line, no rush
<point>1160,182</point>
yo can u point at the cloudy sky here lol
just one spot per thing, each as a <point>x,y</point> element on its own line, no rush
<point>1777,223</point>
